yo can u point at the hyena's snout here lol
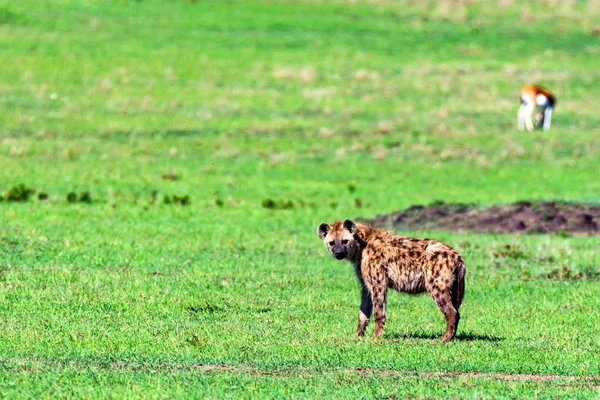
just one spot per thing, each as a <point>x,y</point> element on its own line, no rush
<point>339,252</point>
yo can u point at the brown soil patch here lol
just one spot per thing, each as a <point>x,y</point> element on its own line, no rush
<point>550,217</point>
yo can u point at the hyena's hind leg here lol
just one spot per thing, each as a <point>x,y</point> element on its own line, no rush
<point>458,290</point>
<point>443,299</point>
<point>440,284</point>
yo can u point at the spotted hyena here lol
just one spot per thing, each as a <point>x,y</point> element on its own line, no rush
<point>382,259</point>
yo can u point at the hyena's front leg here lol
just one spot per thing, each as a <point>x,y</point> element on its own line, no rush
<point>379,295</point>
<point>364,314</point>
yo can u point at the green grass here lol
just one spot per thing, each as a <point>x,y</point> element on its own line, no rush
<point>341,109</point>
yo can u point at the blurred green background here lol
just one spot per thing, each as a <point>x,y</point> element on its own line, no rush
<point>208,139</point>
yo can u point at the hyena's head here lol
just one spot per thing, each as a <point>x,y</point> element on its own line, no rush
<point>340,238</point>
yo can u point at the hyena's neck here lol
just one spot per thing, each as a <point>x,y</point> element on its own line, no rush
<point>361,238</point>
<point>357,269</point>
<point>364,233</point>
<point>354,258</point>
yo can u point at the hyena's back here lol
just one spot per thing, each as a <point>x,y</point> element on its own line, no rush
<point>417,265</point>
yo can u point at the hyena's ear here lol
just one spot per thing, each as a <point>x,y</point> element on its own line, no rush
<point>350,226</point>
<point>323,230</point>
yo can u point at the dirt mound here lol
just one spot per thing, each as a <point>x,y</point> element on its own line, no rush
<point>521,217</point>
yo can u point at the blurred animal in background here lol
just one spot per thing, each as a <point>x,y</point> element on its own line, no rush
<point>536,98</point>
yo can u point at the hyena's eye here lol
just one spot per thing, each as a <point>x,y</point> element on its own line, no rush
<point>345,241</point>
<point>331,243</point>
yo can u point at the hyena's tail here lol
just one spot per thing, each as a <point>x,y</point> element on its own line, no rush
<point>458,288</point>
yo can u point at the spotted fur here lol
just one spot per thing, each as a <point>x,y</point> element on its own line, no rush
<point>385,260</point>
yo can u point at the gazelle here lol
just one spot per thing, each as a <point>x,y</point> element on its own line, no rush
<point>536,97</point>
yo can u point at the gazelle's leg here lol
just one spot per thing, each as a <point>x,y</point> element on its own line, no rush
<point>528,113</point>
<point>539,119</point>
<point>547,118</point>
<point>524,120</point>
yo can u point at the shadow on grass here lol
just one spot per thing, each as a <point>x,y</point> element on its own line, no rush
<point>462,337</point>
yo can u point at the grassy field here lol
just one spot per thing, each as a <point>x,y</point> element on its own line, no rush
<point>189,149</point>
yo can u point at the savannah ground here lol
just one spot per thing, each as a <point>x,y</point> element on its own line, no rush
<point>274,116</point>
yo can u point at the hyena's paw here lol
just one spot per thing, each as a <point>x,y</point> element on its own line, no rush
<point>447,337</point>
<point>377,333</point>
